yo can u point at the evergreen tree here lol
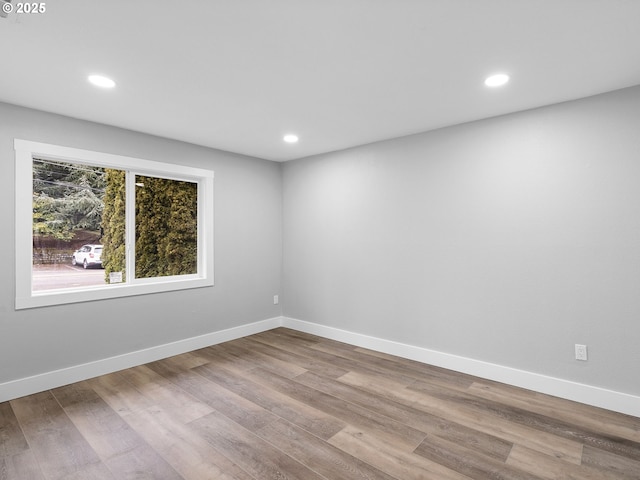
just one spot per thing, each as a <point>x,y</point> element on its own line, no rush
<point>180,246</point>
<point>166,227</point>
<point>114,224</point>
<point>66,197</point>
<point>47,219</point>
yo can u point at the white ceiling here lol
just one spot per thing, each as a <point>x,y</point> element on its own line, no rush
<point>238,74</point>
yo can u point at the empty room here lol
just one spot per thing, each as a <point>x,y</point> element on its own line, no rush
<point>354,239</point>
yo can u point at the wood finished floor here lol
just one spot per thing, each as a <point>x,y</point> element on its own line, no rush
<point>288,405</point>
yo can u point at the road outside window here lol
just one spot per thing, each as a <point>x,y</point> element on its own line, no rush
<point>68,202</point>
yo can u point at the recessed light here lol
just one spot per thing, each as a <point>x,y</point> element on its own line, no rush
<point>496,80</point>
<point>291,138</point>
<point>101,81</point>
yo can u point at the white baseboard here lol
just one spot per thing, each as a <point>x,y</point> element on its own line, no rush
<point>587,394</point>
<point>57,378</point>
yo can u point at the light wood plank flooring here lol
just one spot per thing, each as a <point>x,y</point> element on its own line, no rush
<point>288,405</point>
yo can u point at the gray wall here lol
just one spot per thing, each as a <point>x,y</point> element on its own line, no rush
<point>506,240</point>
<point>248,255</point>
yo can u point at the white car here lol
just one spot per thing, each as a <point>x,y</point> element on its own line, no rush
<point>88,256</point>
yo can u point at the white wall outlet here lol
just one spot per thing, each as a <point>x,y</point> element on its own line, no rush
<point>276,300</point>
<point>581,352</point>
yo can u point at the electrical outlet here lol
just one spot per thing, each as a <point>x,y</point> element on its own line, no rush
<point>276,300</point>
<point>581,352</point>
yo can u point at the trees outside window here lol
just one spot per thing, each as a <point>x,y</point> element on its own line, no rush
<point>152,220</point>
<point>67,208</point>
<point>166,226</point>
<point>114,219</point>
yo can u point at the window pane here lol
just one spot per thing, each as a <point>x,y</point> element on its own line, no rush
<point>66,210</point>
<point>166,227</point>
<point>68,202</point>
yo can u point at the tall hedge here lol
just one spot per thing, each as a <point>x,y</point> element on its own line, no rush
<point>166,227</point>
<point>114,224</point>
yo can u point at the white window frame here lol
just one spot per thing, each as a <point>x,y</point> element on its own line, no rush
<point>26,151</point>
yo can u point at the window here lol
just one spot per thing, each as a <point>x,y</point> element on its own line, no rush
<point>91,225</point>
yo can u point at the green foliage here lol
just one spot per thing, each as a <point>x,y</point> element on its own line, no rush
<point>47,221</point>
<point>57,179</point>
<point>72,197</point>
<point>114,224</point>
<point>66,198</point>
<point>166,227</point>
